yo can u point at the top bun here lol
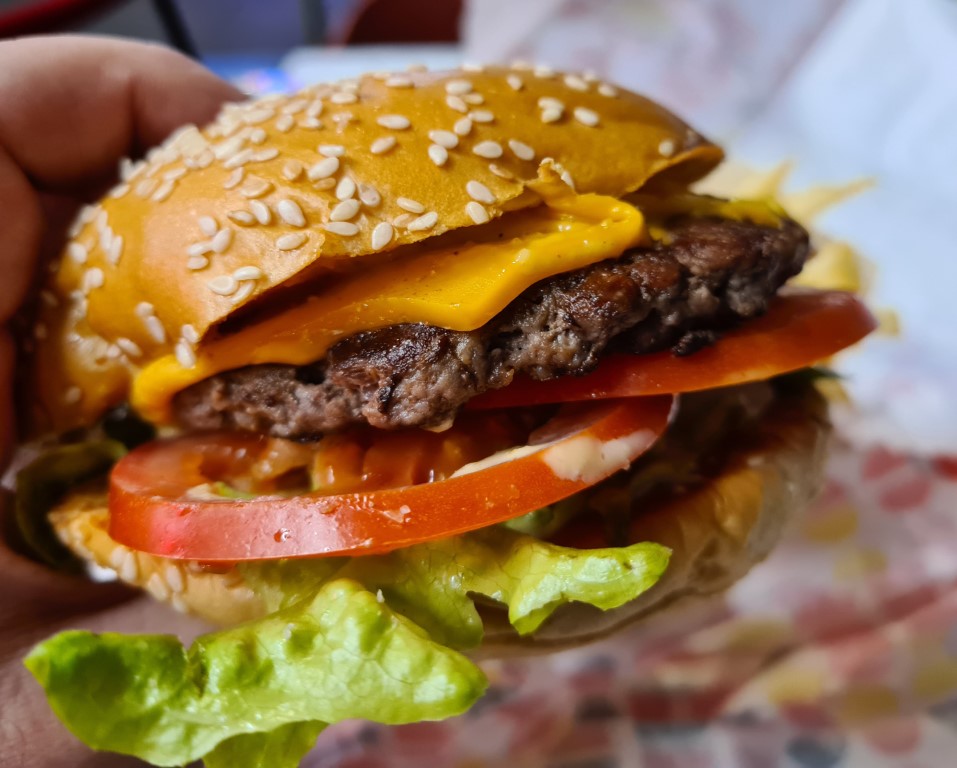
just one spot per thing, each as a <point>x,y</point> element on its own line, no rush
<point>217,216</point>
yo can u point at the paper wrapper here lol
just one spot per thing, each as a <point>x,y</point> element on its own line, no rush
<point>839,650</point>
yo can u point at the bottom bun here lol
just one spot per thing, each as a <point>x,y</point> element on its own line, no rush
<point>716,532</point>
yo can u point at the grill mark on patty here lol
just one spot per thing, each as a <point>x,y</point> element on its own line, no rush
<point>709,275</point>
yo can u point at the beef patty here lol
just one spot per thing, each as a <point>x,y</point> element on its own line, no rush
<point>705,276</point>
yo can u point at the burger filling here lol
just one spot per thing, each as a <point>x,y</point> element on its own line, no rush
<point>700,276</point>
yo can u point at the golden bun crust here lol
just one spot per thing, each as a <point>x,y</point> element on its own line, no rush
<point>716,533</point>
<point>217,216</point>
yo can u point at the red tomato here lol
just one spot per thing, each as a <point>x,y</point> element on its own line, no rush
<point>799,329</point>
<point>151,508</point>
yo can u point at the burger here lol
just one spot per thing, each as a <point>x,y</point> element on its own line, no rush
<point>389,375</point>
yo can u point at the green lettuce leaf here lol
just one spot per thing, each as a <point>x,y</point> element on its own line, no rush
<point>433,584</point>
<point>43,482</point>
<point>282,748</point>
<point>341,654</point>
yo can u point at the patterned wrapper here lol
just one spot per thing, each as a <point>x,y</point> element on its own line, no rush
<point>839,650</point>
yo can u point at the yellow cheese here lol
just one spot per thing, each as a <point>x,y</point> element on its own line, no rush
<point>456,283</point>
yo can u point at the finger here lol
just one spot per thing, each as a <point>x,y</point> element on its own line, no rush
<point>75,105</point>
<point>20,230</point>
<point>6,397</point>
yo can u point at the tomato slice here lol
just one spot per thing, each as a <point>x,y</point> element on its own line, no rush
<point>151,509</point>
<point>799,329</point>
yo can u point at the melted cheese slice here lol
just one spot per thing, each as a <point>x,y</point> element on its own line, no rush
<point>457,284</point>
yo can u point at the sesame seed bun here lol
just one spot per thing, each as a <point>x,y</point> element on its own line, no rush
<point>323,179</point>
<point>716,532</point>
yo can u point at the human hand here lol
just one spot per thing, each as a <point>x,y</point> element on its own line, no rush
<point>72,107</point>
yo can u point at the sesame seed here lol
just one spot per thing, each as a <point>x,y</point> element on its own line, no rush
<point>590,76</point>
<point>521,150</point>
<point>184,354</point>
<point>293,107</point>
<point>463,127</point>
<point>263,155</point>
<point>344,210</point>
<point>567,178</point>
<point>130,347</point>
<point>240,158</point>
<point>106,238</point>
<point>93,278</point>
<point>129,571</point>
<point>666,148</point>
<point>292,170</point>
<point>120,190</point>
<point>382,235</point>
<point>445,139</point>
<point>164,191</point>
<point>291,241</point>
<point>175,175</point>
<point>458,87</point>
<point>197,263</point>
<point>520,64</point>
<point>310,122</point>
<point>314,109</point>
<point>481,116</point>
<point>488,149</point>
<point>285,123</point>
<point>369,195</point>
<point>155,328</point>
<point>514,82</point>
<point>382,145</point>
<point>476,212</point>
<point>223,285</point>
<point>350,86</point>
<point>478,191</point>
<point>257,136</point>
<point>157,587</point>
<point>551,115</point>
<point>234,178</point>
<point>115,251</point>
<point>343,97</point>
<point>438,154</point>
<point>260,211</point>
<point>144,309</point>
<point>401,220</point>
<point>576,83</point>
<point>188,332</point>
<point>549,102</point>
<point>243,273</point>
<point>457,103</point>
<point>72,396</point>
<point>394,122</point>
<point>343,228</point>
<point>398,81</point>
<point>203,160</point>
<point>324,184</point>
<point>586,116</point>
<point>608,90</point>
<point>331,150</point>
<point>470,66</point>
<point>226,149</point>
<point>324,169</point>
<point>256,187</point>
<point>174,578</point>
<point>407,204</point>
<point>346,188</point>
<point>342,119</point>
<point>503,173</point>
<point>544,72</point>
<point>77,252</point>
<point>208,225</point>
<point>245,291</point>
<point>473,98</point>
<point>222,240</point>
<point>290,212</point>
<point>425,221</point>
<point>143,188</point>
<point>245,218</point>
<point>256,116</point>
